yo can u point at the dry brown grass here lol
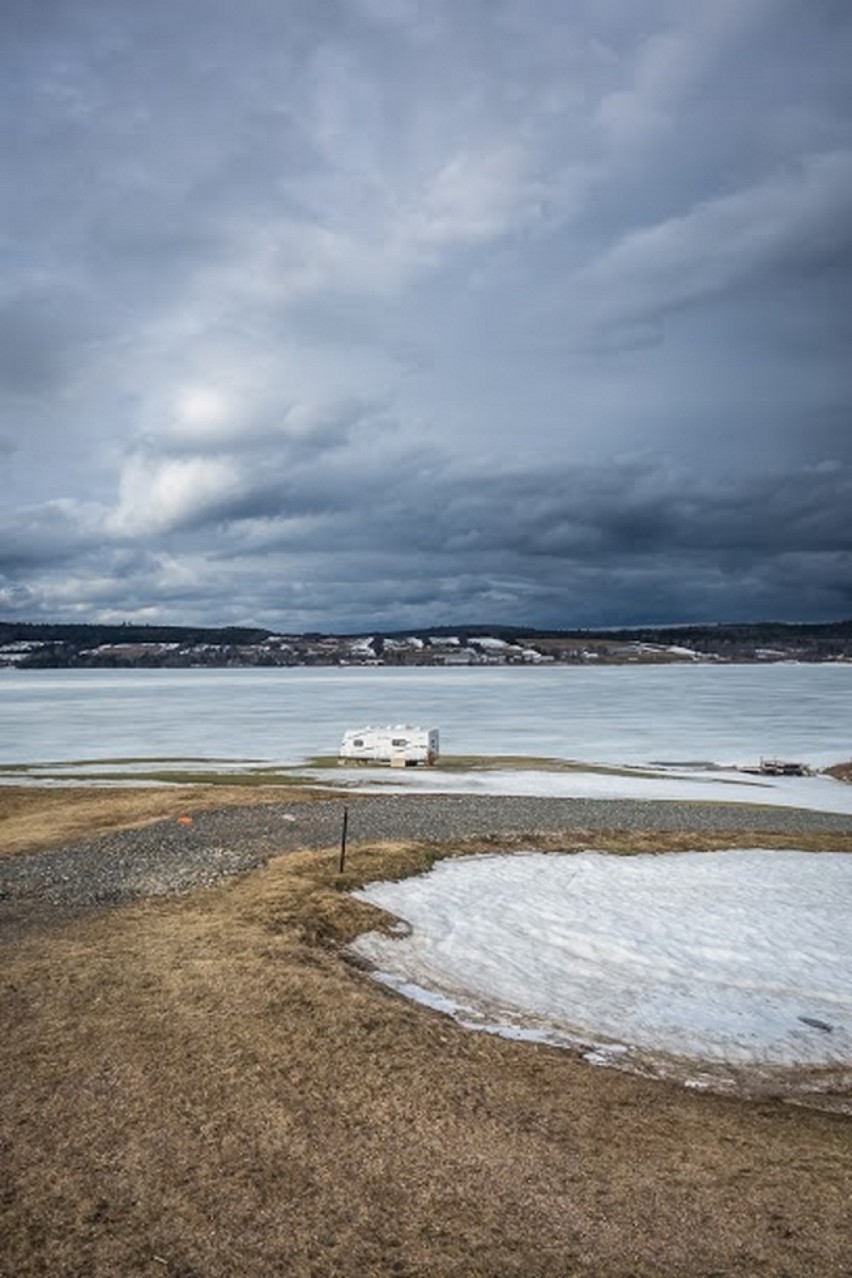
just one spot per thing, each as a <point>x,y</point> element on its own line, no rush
<point>35,817</point>
<point>202,1088</point>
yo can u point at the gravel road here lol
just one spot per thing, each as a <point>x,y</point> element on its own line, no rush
<point>169,857</point>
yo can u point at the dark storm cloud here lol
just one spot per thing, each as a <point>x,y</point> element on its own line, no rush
<point>391,310</point>
<point>626,543</point>
<point>591,513</point>
<point>632,540</point>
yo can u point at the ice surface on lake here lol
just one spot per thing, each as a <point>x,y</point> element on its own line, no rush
<point>620,715</point>
<point>735,957</point>
<point>617,716</point>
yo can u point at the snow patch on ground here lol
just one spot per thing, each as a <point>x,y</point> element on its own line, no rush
<point>819,793</point>
<point>717,968</point>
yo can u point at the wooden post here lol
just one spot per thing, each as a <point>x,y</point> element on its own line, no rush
<point>341,863</point>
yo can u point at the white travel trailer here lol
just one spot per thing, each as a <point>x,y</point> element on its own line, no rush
<point>399,744</point>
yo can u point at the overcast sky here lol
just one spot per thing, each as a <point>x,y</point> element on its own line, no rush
<point>364,314</point>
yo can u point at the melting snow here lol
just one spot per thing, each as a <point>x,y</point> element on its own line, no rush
<point>700,965</point>
<point>819,794</point>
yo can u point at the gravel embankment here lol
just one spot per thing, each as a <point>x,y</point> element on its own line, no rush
<point>170,857</point>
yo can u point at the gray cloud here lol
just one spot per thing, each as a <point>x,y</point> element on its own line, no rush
<point>375,312</point>
<point>622,544</point>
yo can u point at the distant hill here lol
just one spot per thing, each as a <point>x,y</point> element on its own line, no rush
<point>125,632</point>
<point>35,645</point>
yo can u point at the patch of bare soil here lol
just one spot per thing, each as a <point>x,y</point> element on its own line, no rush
<point>842,771</point>
<point>202,1086</point>
<point>36,817</point>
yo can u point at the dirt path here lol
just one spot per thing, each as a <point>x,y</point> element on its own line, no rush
<point>185,852</point>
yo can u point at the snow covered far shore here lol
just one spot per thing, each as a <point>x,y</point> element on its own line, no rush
<point>708,966</point>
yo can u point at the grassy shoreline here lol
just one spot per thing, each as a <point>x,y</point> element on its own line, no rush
<point>253,774</point>
<point>38,817</point>
<point>202,1086</point>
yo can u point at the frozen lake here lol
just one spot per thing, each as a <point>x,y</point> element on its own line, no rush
<point>618,715</point>
<point>683,716</point>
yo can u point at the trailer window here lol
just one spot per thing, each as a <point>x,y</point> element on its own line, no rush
<point>399,741</point>
<point>359,741</point>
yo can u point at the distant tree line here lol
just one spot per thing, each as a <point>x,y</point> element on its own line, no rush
<point>92,635</point>
<point>56,645</point>
<point>810,640</point>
